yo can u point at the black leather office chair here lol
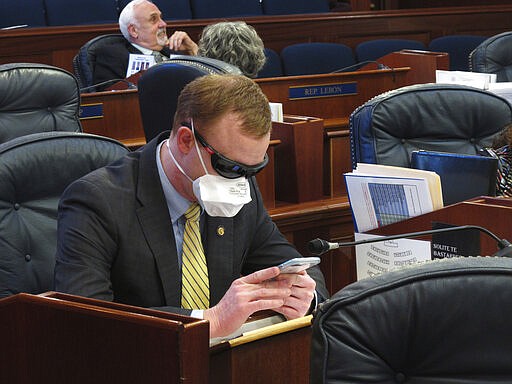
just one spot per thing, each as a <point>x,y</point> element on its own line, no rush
<point>434,117</point>
<point>35,169</point>
<point>85,60</point>
<point>445,321</point>
<point>160,87</point>
<point>494,55</point>
<point>37,98</point>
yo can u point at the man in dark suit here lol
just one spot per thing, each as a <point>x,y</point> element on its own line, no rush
<point>142,26</point>
<point>121,228</point>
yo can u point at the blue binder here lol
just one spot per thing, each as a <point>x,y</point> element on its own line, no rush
<point>462,176</point>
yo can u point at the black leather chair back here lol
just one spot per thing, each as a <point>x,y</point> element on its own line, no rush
<point>494,55</point>
<point>34,171</point>
<point>446,321</point>
<point>434,117</point>
<point>37,98</point>
<point>85,60</point>
<point>161,85</point>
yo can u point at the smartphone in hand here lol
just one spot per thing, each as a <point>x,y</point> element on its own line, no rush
<point>298,264</point>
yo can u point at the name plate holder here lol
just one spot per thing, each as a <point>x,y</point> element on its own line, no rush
<point>299,159</point>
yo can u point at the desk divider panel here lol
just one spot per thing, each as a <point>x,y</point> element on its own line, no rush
<point>299,158</point>
<point>57,338</point>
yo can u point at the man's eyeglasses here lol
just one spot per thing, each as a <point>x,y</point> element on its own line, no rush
<point>225,167</point>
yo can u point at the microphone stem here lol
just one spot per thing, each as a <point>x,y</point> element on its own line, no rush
<point>424,233</point>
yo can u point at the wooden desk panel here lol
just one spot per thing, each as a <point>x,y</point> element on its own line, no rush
<point>120,119</point>
<point>62,338</point>
<point>277,355</point>
<point>494,214</point>
<point>368,84</point>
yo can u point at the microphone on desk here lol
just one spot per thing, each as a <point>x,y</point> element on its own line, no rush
<point>319,246</point>
<point>360,64</point>
<point>108,82</point>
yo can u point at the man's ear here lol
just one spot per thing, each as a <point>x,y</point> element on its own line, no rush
<point>185,139</point>
<point>132,30</point>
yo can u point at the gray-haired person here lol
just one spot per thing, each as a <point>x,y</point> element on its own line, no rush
<point>235,43</point>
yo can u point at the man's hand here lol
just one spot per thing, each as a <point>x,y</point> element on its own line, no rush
<point>258,291</point>
<point>181,42</point>
<point>303,292</point>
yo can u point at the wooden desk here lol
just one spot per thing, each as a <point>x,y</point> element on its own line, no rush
<point>58,338</point>
<point>113,114</point>
<point>276,354</point>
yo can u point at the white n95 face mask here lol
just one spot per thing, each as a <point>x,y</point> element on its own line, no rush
<point>217,195</point>
<point>220,196</point>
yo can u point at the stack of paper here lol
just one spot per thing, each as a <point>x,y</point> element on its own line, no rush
<point>382,194</point>
<point>473,79</point>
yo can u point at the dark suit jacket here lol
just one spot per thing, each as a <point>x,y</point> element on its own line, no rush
<point>112,61</point>
<point>115,239</point>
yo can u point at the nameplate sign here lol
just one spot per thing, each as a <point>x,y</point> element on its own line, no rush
<point>91,111</point>
<point>322,90</point>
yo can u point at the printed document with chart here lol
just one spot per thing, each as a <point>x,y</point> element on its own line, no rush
<point>383,194</point>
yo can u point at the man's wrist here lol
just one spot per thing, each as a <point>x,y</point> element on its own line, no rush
<point>314,304</point>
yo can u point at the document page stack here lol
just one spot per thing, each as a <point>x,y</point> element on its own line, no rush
<point>383,194</point>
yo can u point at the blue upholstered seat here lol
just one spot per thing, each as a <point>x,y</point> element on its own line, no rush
<point>273,66</point>
<point>171,9</point>
<point>458,47</point>
<point>21,13</point>
<point>374,49</point>
<point>66,12</point>
<point>287,7</point>
<point>311,58</point>
<point>161,85</point>
<point>205,9</point>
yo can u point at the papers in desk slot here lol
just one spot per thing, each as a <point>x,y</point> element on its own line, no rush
<point>472,79</point>
<point>375,258</point>
<point>382,194</point>
<point>503,89</point>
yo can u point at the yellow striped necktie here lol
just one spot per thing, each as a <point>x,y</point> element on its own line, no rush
<point>195,291</point>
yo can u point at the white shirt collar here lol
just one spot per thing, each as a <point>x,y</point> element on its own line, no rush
<point>145,51</point>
